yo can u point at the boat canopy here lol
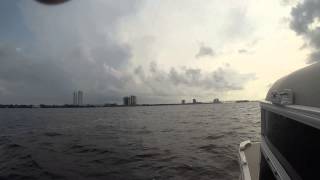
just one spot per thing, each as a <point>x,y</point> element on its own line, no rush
<point>299,88</point>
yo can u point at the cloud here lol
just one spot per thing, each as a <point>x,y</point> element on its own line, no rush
<point>24,79</point>
<point>31,79</point>
<point>239,25</point>
<point>71,46</point>
<point>205,51</point>
<point>191,81</point>
<point>288,2</point>
<point>76,46</point>
<point>305,22</point>
<point>86,26</point>
<point>242,51</point>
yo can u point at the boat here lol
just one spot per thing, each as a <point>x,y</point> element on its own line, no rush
<point>289,146</point>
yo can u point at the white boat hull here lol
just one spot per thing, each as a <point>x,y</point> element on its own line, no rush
<point>249,160</point>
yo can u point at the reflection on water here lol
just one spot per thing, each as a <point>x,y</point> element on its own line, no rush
<point>164,142</point>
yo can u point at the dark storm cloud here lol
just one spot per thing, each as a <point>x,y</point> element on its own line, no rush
<point>73,46</point>
<point>87,26</point>
<point>28,79</point>
<point>305,18</point>
<point>205,51</point>
<point>32,79</point>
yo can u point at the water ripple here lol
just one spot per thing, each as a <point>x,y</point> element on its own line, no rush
<point>165,142</point>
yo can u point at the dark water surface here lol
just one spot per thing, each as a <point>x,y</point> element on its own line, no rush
<point>164,142</point>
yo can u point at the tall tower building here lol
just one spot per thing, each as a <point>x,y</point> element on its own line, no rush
<point>75,98</point>
<point>80,98</point>
<point>126,101</point>
<point>130,100</point>
<point>133,100</point>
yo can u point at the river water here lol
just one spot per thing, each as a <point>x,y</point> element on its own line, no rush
<point>158,142</point>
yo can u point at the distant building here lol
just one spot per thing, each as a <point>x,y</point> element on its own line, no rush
<point>183,101</point>
<point>130,100</point>
<point>216,101</point>
<point>194,101</point>
<point>133,100</point>
<point>77,98</point>
<point>80,98</point>
<point>126,101</point>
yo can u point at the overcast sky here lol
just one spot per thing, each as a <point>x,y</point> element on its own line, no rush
<point>159,50</point>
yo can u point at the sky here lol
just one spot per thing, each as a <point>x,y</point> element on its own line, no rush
<point>162,51</point>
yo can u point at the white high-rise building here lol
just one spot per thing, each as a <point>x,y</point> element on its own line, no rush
<point>80,97</point>
<point>130,100</point>
<point>75,98</point>
<point>133,100</point>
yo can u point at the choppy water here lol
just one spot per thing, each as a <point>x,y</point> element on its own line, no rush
<point>164,142</point>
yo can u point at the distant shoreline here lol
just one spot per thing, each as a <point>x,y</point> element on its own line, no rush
<point>112,105</point>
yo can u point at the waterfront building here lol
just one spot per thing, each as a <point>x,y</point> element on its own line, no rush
<point>216,101</point>
<point>194,101</point>
<point>75,98</point>
<point>126,101</point>
<point>133,100</point>
<point>183,101</point>
<point>78,98</point>
<point>130,100</point>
